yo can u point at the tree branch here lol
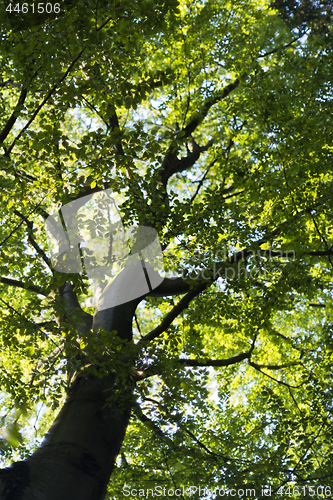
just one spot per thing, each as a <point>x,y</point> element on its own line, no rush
<point>12,119</point>
<point>178,285</point>
<point>73,311</point>
<point>49,323</point>
<point>277,367</point>
<point>43,361</point>
<point>10,82</point>
<point>169,287</point>
<point>202,180</point>
<point>198,117</point>
<point>27,321</point>
<point>201,445</point>
<point>216,362</point>
<point>257,367</point>
<point>44,101</point>
<point>92,107</point>
<point>112,124</point>
<point>171,164</point>
<point>281,48</point>
<point>221,362</point>
<point>24,286</point>
<point>179,165</point>
<point>180,307</point>
<point>104,24</point>
<point>146,420</point>
<point>31,240</point>
<point>36,208</point>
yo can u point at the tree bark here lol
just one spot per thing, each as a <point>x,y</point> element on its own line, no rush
<point>77,455</point>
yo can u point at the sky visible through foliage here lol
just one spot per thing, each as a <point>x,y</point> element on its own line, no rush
<point>211,123</point>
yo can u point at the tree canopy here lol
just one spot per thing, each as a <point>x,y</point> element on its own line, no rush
<point>210,121</point>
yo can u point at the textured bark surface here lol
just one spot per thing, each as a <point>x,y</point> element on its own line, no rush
<point>77,456</point>
<point>78,453</point>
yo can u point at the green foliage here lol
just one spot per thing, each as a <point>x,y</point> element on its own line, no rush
<point>116,92</point>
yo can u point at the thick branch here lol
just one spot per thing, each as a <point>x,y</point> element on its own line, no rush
<point>83,320</point>
<point>170,286</point>
<point>47,323</point>
<point>276,367</point>
<point>180,307</point>
<point>171,164</point>
<point>12,119</point>
<point>216,362</point>
<point>113,123</point>
<point>198,117</point>
<point>221,362</point>
<point>24,286</point>
<point>321,253</point>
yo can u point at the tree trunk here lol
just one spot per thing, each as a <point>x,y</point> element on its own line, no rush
<point>78,454</point>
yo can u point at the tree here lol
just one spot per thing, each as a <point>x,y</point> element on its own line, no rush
<point>210,123</point>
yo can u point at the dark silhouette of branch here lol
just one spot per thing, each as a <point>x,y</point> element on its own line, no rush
<point>278,367</point>
<point>47,323</point>
<point>273,51</point>
<point>177,309</point>
<point>258,368</point>
<point>322,237</point>
<point>202,445</point>
<point>171,163</point>
<point>220,362</point>
<point>180,165</point>
<point>44,101</point>
<point>24,286</point>
<point>10,82</point>
<point>170,286</point>
<point>215,362</point>
<point>113,123</point>
<point>146,420</point>
<point>93,108</point>
<point>31,240</point>
<point>37,208</point>
<point>202,180</point>
<point>27,321</point>
<point>104,24</point>
<point>45,360</point>
<point>13,117</point>
<point>198,117</point>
